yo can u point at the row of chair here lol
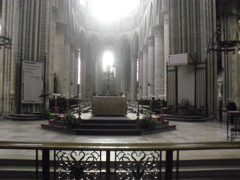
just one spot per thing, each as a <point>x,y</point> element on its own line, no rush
<point>189,109</point>
<point>233,117</point>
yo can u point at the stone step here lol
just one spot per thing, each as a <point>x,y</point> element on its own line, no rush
<point>108,121</point>
<point>189,169</point>
<point>107,126</point>
<point>187,118</point>
<point>24,117</point>
<point>113,132</point>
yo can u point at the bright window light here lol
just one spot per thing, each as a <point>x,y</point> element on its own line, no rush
<point>83,3</point>
<point>79,69</point>
<point>107,60</point>
<point>108,10</point>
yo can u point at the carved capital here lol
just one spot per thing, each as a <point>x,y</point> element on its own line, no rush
<point>145,49</point>
<point>158,30</point>
<point>55,12</point>
<point>165,14</point>
<point>134,58</point>
<point>73,47</point>
<point>61,28</point>
<point>140,54</point>
<point>83,56</point>
<point>151,41</point>
<point>67,39</point>
<point>76,54</point>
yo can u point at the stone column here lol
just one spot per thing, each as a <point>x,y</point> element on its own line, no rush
<point>151,66</point>
<point>159,61</point>
<point>123,76</point>
<point>59,55</point>
<point>145,71</point>
<point>2,92</point>
<point>133,78</point>
<point>66,67</point>
<point>15,58</point>
<point>140,58</point>
<point>166,32</point>
<point>99,74</point>
<point>51,64</point>
<point>233,63</point>
<point>96,84</point>
<point>118,75</point>
<point>75,71</point>
<point>48,8</point>
<point>83,75</point>
<point>71,70</point>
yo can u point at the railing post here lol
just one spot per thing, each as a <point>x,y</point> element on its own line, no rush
<point>36,164</point>
<point>45,165</point>
<point>169,165</point>
<point>107,164</point>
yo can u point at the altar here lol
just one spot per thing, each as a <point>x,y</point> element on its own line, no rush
<point>109,106</point>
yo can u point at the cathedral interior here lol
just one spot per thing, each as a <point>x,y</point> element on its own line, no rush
<point>176,51</point>
<point>179,50</point>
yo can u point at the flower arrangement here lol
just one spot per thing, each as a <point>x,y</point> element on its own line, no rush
<point>68,120</point>
<point>147,121</point>
<point>46,113</point>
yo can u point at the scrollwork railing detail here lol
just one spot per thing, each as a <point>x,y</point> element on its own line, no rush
<point>78,164</point>
<point>138,165</point>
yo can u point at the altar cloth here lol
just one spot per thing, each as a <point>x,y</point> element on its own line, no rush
<point>109,106</point>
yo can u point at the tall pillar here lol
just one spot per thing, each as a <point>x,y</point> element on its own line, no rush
<point>159,61</point>
<point>2,93</point>
<point>123,76</point>
<point>51,64</point>
<point>151,66</point>
<point>118,75</point>
<point>99,74</point>
<point>75,71</point>
<point>71,70</point>
<point>59,55</point>
<point>140,58</point>
<point>145,71</point>
<point>233,62</point>
<point>82,89</point>
<point>15,58</point>
<point>166,32</point>
<point>66,67</point>
<point>133,78</point>
<point>96,85</point>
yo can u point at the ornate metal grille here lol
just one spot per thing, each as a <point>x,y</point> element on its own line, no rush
<point>138,165</point>
<point>78,165</point>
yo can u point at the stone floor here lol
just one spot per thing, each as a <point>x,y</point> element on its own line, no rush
<point>209,131</point>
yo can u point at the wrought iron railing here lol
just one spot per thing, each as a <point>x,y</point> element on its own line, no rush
<point>111,160</point>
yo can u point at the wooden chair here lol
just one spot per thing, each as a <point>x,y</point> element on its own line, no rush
<point>179,108</point>
<point>192,110</point>
<point>183,109</point>
<point>196,111</point>
<point>236,129</point>
<point>169,109</point>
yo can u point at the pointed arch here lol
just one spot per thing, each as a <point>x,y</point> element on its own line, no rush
<point>151,18</point>
<point>135,43</point>
<point>82,40</point>
<point>123,39</point>
<point>109,40</point>
<point>125,61</point>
